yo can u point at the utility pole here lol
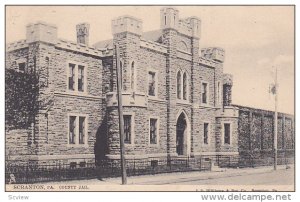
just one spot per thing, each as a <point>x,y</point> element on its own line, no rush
<point>275,122</point>
<point>121,120</point>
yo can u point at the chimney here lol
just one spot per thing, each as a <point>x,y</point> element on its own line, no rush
<point>82,31</point>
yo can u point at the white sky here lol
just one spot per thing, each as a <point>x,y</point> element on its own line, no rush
<point>254,38</point>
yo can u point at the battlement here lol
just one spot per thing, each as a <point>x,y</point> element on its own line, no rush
<point>227,79</point>
<point>214,53</point>
<point>41,31</point>
<point>169,19</point>
<point>127,24</point>
<point>82,48</point>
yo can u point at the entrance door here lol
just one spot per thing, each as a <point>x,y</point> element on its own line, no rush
<point>181,127</point>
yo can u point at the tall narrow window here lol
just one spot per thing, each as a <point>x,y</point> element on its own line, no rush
<point>219,94</point>
<point>80,78</point>
<point>121,74</point>
<point>72,129</point>
<point>127,129</point>
<point>226,133</point>
<point>153,131</point>
<point>81,130</point>
<point>184,91</point>
<point>179,85</point>
<point>71,76</point>
<point>205,130</point>
<point>47,60</point>
<point>204,93</point>
<point>151,84</point>
<point>132,76</point>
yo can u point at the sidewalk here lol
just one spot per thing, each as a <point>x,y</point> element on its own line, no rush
<point>169,178</point>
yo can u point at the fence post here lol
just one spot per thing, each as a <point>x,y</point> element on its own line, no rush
<point>133,166</point>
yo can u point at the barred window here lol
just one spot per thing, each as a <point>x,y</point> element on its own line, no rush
<point>76,77</point>
<point>71,77</point>
<point>151,84</point>
<point>132,76</point>
<point>179,85</point>
<point>226,133</point>
<point>205,130</point>
<point>77,130</point>
<point>204,93</point>
<point>80,78</point>
<point>153,131</point>
<point>81,130</point>
<point>127,129</point>
<point>184,91</point>
<point>72,129</point>
<point>22,66</point>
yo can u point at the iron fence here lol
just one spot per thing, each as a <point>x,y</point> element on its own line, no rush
<point>34,173</point>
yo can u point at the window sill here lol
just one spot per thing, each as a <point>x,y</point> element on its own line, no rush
<point>77,145</point>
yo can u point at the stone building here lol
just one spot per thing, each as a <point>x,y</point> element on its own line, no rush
<point>62,102</point>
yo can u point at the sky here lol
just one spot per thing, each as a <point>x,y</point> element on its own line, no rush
<point>256,39</point>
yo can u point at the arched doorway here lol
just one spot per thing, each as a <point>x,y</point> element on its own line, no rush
<point>182,146</point>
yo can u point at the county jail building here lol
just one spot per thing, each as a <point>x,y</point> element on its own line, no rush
<point>61,96</point>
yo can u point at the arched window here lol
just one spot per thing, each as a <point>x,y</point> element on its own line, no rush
<point>184,91</point>
<point>182,46</point>
<point>132,76</point>
<point>179,85</point>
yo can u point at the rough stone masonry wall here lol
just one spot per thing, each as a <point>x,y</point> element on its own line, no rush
<point>21,92</point>
<point>65,103</point>
<point>256,132</point>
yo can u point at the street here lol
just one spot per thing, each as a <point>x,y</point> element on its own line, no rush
<point>245,176</point>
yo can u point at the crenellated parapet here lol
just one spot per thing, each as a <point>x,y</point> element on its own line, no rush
<point>169,19</point>
<point>213,53</point>
<point>127,23</point>
<point>79,47</point>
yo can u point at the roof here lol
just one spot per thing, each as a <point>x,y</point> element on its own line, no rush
<point>104,44</point>
<point>152,35</point>
<point>149,36</point>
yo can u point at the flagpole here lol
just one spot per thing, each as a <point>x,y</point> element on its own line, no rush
<point>275,122</point>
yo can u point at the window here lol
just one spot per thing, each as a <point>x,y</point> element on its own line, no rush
<point>77,130</point>
<point>153,131</point>
<point>71,76</point>
<point>81,130</point>
<point>152,84</point>
<point>47,60</point>
<point>22,66</point>
<point>219,94</point>
<point>76,77</point>
<point>184,91</point>
<point>204,93</point>
<point>80,78</point>
<point>226,133</point>
<point>72,129</point>
<point>205,131</point>
<point>182,85</point>
<point>132,76</point>
<point>127,129</point>
<point>121,74</point>
<point>179,85</point>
